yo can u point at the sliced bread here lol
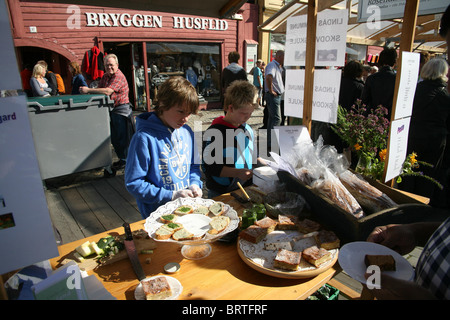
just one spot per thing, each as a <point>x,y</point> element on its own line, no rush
<point>168,218</point>
<point>184,209</point>
<point>201,210</point>
<point>164,232</point>
<point>182,234</point>
<point>216,208</point>
<point>218,224</point>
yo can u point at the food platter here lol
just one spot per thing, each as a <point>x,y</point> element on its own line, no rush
<point>352,256</point>
<point>260,259</point>
<point>197,224</point>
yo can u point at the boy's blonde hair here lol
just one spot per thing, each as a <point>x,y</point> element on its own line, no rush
<point>240,93</point>
<point>177,91</point>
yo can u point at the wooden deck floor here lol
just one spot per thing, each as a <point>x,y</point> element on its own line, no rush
<point>89,207</point>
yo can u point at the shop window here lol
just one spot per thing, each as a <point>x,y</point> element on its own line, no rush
<point>200,63</point>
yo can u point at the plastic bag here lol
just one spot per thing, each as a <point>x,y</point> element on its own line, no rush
<point>332,188</point>
<point>370,198</point>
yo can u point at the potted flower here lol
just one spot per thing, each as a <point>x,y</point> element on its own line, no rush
<point>366,134</point>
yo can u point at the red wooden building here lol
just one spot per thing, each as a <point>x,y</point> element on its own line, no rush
<point>150,45</point>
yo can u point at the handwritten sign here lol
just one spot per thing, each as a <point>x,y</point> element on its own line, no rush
<point>398,145</point>
<point>331,39</point>
<point>291,136</point>
<point>325,97</point>
<point>408,82</point>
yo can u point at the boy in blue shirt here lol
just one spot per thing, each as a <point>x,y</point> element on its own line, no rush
<point>163,161</point>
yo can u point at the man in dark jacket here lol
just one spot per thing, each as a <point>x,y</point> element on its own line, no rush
<point>380,86</point>
<point>232,72</point>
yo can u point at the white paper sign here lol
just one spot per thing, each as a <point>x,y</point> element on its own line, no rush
<point>371,10</point>
<point>398,146</point>
<point>408,82</point>
<point>26,232</point>
<point>331,37</point>
<point>325,96</point>
<point>291,136</point>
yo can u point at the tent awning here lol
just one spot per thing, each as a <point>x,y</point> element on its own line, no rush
<point>389,31</point>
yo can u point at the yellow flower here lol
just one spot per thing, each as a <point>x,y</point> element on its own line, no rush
<point>357,147</point>
<point>412,158</point>
<point>382,154</point>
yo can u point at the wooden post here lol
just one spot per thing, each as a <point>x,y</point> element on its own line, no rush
<point>310,63</point>
<point>406,44</point>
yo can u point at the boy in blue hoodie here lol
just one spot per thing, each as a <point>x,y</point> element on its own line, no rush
<point>163,161</point>
<point>229,148</point>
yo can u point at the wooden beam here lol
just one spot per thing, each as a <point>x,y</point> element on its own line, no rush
<point>310,63</point>
<point>406,44</point>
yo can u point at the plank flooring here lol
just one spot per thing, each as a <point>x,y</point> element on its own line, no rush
<point>90,207</point>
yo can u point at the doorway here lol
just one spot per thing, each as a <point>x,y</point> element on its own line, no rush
<point>123,52</point>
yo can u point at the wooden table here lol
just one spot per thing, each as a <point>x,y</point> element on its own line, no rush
<point>223,275</point>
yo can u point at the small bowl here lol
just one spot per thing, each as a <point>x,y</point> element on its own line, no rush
<point>286,203</point>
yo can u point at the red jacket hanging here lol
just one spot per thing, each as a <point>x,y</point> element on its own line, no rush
<point>92,65</point>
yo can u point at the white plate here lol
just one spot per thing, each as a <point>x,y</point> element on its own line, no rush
<point>351,260</point>
<point>153,222</point>
<point>197,224</point>
<point>174,284</point>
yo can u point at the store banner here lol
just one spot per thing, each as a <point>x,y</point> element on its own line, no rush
<point>398,144</point>
<point>325,96</point>
<point>372,11</point>
<point>408,82</point>
<point>331,37</point>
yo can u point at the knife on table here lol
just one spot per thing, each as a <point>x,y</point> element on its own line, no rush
<point>132,253</point>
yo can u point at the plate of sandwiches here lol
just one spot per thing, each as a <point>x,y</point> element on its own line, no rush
<point>158,288</point>
<point>191,221</point>
<point>288,247</point>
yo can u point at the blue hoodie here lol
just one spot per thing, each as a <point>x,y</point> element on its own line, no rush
<point>160,160</point>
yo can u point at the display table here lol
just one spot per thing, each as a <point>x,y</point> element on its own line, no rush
<point>220,276</point>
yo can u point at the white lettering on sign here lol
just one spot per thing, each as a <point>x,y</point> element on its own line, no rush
<point>122,20</point>
<point>138,20</point>
<point>199,23</point>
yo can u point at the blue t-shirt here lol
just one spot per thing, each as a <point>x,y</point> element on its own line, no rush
<point>257,74</point>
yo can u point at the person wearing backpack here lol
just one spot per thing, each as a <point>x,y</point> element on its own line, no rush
<point>55,80</point>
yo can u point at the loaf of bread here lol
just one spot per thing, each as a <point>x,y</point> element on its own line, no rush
<point>316,256</point>
<point>333,189</point>
<point>156,289</point>
<point>287,260</point>
<point>287,222</point>
<point>327,240</point>
<point>307,226</point>
<point>216,208</point>
<point>267,223</point>
<point>164,232</point>
<point>253,234</point>
<point>184,209</point>
<point>368,196</point>
<point>182,234</point>
<point>218,224</point>
<point>384,262</point>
